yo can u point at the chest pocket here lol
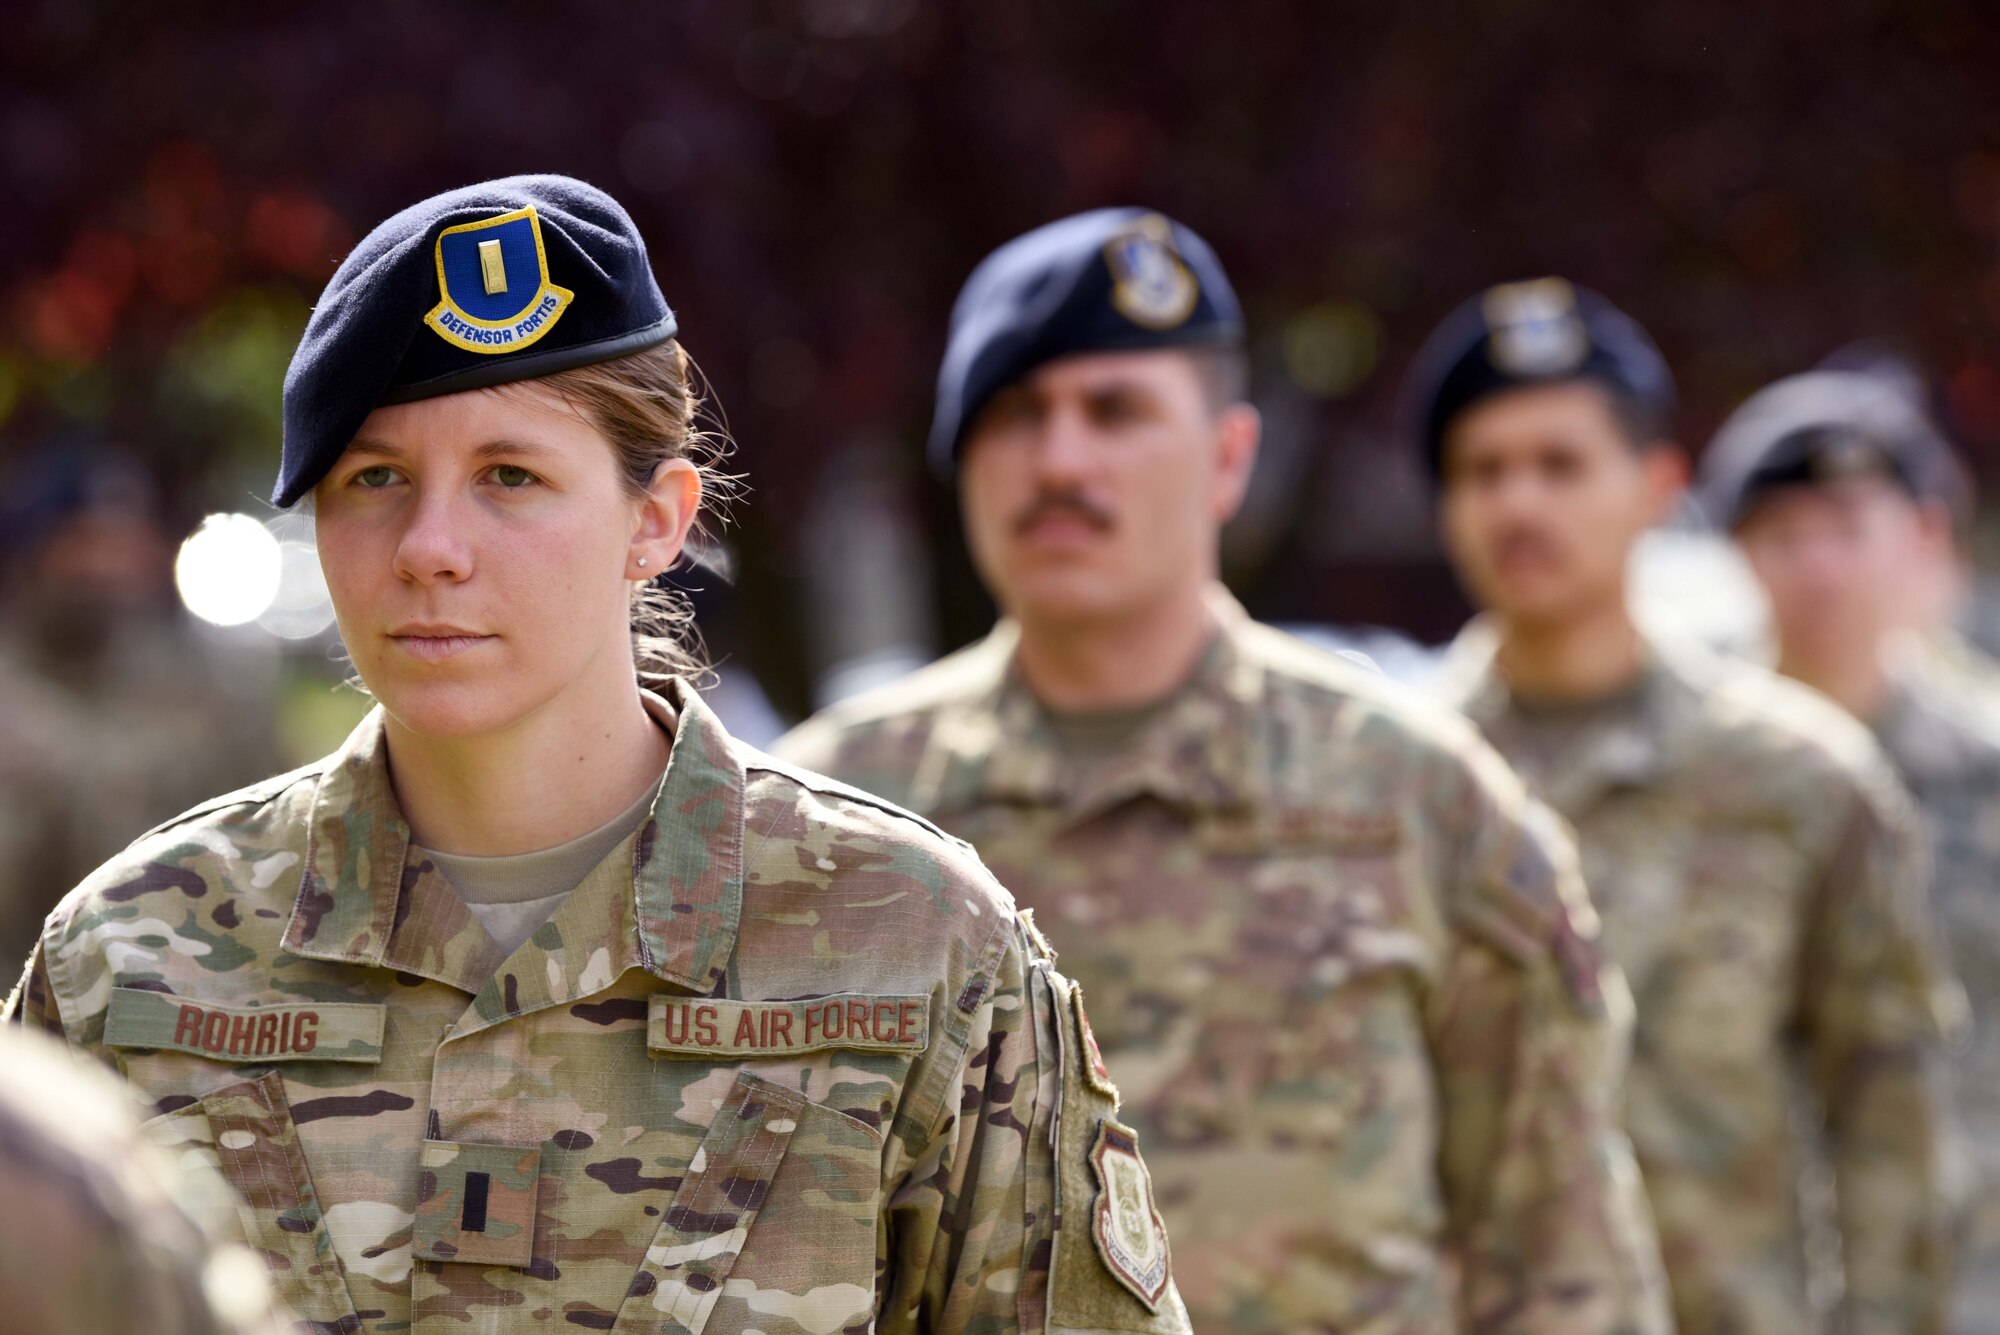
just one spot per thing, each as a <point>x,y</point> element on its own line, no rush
<point>223,1063</point>
<point>246,1130</point>
<point>1722,985</point>
<point>812,1176</point>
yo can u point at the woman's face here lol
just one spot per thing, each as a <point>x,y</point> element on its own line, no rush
<point>479,548</point>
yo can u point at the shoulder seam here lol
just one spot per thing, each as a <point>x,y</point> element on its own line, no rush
<point>1793,713</point>
<point>814,781</point>
<point>256,794</point>
<point>932,686</point>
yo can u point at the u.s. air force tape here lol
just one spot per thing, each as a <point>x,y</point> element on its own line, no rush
<point>707,1027</point>
<point>321,1031</point>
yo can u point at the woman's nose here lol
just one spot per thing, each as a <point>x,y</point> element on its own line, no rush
<point>433,547</point>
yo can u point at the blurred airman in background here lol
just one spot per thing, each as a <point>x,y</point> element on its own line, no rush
<point>116,711</point>
<point>1343,968</point>
<point>1759,868</point>
<point>1844,496</point>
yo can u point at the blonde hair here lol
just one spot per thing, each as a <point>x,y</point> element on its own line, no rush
<point>652,406</point>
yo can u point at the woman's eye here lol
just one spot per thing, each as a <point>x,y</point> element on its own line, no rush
<point>512,475</point>
<point>381,475</point>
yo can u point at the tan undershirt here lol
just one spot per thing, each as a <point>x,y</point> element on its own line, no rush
<point>512,896</point>
<point>1105,734</point>
<point>1102,734</point>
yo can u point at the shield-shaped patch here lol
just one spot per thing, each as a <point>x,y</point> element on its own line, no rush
<point>494,293</point>
<point>1150,284</point>
<point>1536,329</point>
<point>1127,1227</point>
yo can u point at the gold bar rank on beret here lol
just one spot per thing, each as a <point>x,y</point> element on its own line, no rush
<point>492,267</point>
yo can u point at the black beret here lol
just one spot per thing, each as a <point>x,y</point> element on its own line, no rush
<point>502,281</point>
<point>1530,333</point>
<point>1103,281</point>
<point>1821,426</point>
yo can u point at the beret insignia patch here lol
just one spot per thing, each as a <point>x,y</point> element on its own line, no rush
<point>1848,456</point>
<point>1535,328</point>
<point>493,284</point>
<point>1150,284</point>
<point>1126,1224</point>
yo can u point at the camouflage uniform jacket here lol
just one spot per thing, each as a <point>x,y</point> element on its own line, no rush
<point>1347,981</point>
<point>101,1231</point>
<point>1948,751</point>
<point>1762,883</point>
<point>788,1061</point>
<point>1949,661</point>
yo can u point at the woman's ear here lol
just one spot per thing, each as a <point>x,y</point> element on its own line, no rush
<point>666,515</point>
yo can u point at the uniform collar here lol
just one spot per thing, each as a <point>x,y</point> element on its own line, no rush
<point>1202,752</point>
<point>674,914</point>
<point>1629,747</point>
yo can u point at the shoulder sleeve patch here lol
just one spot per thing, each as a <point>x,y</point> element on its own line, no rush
<point>1111,1268</point>
<point>1126,1223</point>
<point>1530,904</point>
<point>1579,954</point>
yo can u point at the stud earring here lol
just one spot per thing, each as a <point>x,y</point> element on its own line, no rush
<point>642,560</point>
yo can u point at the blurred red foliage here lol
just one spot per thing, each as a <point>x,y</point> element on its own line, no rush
<point>1757,184</point>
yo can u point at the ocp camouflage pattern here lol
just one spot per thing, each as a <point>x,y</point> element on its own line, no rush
<point>1763,884</point>
<point>1942,730</point>
<point>1344,972</point>
<point>511,1155</point>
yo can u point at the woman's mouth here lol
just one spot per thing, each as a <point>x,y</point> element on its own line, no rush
<point>434,644</point>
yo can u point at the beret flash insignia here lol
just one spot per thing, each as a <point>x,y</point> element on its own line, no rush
<point>1150,284</point>
<point>1535,328</point>
<point>1843,455</point>
<point>493,284</point>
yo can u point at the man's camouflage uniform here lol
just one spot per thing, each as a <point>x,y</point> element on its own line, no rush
<point>1948,750</point>
<point>101,1231</point>
<point>787,1061</point>
<point>1762,881</point>
<point>1949,660</point>
<point>1344,973</point>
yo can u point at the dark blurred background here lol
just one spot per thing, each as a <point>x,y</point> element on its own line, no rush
<point>1758,184</point>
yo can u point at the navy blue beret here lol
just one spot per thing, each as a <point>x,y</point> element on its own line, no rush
<point>1822,426</point>
<point>502,281</point>
<point>1107,280</point>
<point>1534,332</point>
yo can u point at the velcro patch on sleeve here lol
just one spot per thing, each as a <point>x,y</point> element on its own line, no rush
<point>711,1028</point>
<point>342,1031</point>
<point>1094,1069</point>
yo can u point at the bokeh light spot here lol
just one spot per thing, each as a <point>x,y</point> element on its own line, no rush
<point>228,570</point>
